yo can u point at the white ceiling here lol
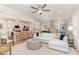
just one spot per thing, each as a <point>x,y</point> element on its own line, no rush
<point>56,10</point>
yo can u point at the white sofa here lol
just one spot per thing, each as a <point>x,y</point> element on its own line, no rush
<point>57,44</point>
<point>53,42</point>
<point>45,37</point>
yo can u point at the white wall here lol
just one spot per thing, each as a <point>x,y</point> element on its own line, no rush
<point>43,24</point>
<point>4,29</point>
<point>7,16</point>
<point>75,20</point>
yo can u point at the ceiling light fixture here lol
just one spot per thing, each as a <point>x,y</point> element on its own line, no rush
<point>40,9</point>
<point>40,12</point>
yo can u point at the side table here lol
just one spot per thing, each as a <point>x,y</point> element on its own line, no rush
<point>6,47</point>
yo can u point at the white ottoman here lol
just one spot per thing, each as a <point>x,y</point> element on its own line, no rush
<point>33,44</point>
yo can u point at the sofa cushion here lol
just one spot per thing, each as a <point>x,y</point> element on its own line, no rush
<point>59,43</point>
<point>45,35</point>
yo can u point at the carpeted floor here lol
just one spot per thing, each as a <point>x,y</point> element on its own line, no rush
<point>21,49</point>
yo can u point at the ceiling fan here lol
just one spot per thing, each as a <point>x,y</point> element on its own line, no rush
<point>40,9</point>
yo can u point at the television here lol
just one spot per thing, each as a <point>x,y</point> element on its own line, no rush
<point>17,26</point>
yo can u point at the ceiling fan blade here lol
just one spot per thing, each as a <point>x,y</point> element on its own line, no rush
<point>44,6</point>
<point>34,8</point>
<point>45,10</point>
<point>34,11</point>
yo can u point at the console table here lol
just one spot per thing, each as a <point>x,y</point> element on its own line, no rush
<point>22,35</point>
